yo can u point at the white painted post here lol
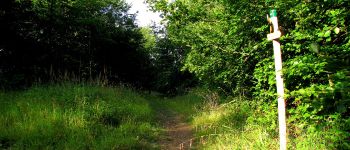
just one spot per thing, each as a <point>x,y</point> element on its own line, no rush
<point>279,80</point>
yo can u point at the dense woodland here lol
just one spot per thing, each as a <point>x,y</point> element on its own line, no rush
<point>227,50</point>
<point>50,40</point>
<point>218,45</point>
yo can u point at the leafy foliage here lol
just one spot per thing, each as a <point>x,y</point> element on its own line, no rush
<point>166,60</point>
<point>228,51</point>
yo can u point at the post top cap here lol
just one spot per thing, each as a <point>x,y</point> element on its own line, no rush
<point>273,13</point>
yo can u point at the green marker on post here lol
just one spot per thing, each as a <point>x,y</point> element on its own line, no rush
<point>273,13</point>
<point>272,19</point>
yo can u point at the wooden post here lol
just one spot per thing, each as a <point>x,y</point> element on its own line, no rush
<point>279,80</point>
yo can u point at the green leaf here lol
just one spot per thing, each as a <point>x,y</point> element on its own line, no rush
<point>327,34</point>
<point>314,47</point>
<point>336,30</point>
<point>320,34</point>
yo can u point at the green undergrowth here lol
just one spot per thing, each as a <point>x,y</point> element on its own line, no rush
<point>184,105</point>
<point>247,124</point>
<point>230,126</point>
<point>70,116</point>
<point>76,117</point>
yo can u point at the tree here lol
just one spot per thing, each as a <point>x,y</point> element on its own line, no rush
<point>166,63</point>
<point>49,39</point>
<point>228,51</point>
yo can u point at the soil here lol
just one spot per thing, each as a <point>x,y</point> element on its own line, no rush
<point>178,133</point>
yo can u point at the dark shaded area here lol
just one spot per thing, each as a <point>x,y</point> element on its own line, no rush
<point>47,40</point>
<point>53,41</point>
<point>168,61</point>
<point>110,120</point>
<point>6,143</point>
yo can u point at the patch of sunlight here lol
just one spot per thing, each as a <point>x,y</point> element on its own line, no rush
<point>210,117</point>
<point>75,120</point>
<point>247,139</point>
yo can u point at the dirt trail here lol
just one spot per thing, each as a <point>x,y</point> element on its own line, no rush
<point>177,131</point>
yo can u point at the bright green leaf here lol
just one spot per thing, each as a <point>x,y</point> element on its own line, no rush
<point>336,30</point>
<point>327,34</point>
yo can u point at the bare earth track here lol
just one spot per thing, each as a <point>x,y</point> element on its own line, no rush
<point>177,131</point>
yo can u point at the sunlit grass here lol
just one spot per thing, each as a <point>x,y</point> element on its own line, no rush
<point>75,117</point>
<point>89,117</point>
<point>235,126</point>
<point>185,104</point>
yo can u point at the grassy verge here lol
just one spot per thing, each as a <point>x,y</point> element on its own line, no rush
<point>76,117</point>
<point>89,117</point>
<point>246,124</point>
<point>230,126</point>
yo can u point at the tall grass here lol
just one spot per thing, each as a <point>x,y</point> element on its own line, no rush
<point>245,124</point>
<point>227,126</point>
<point>71,116</point>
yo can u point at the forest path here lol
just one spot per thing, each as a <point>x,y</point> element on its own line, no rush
<point>176,129</point>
